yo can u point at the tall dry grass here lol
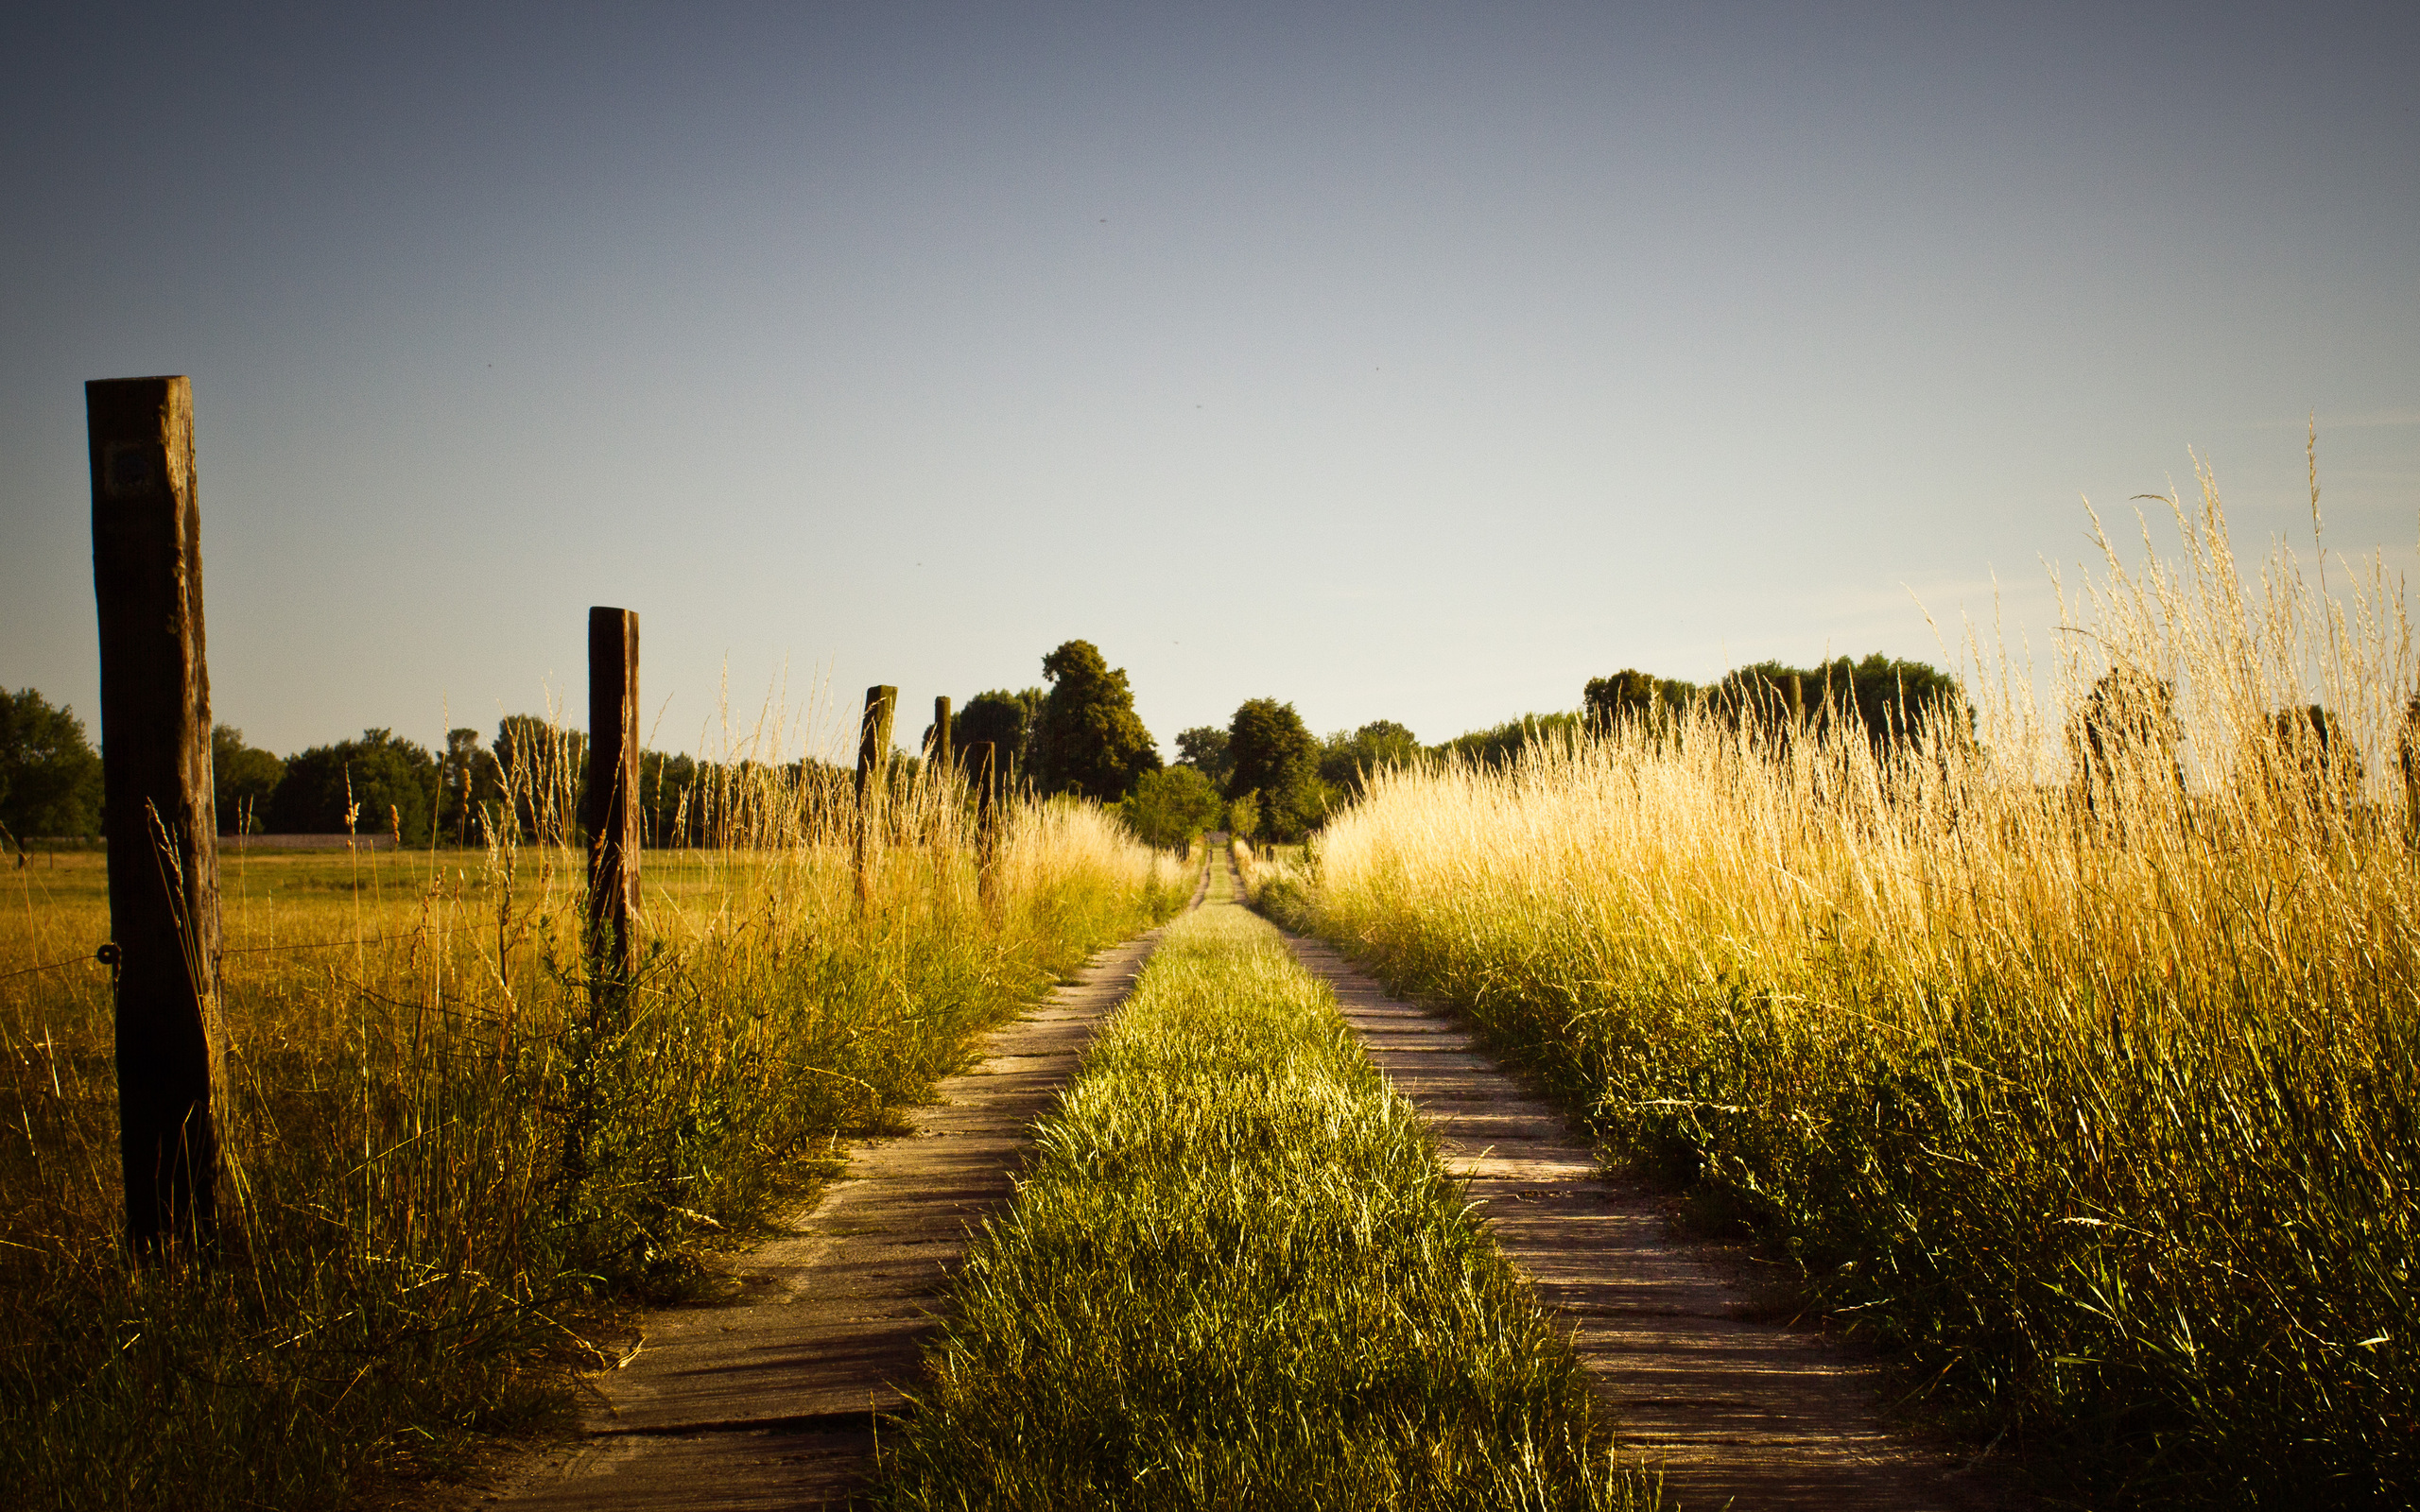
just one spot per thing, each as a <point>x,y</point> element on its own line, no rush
<point>1235,1276</point>
<point>446,1176</point>
<point>2074,1060</point>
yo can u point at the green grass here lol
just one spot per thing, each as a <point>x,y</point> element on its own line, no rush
<point>410,1270</point>
<point>1235,1277</point>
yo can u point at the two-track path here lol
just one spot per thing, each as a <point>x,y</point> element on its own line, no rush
<point>770,1400</point>
<point>1734,1408</point>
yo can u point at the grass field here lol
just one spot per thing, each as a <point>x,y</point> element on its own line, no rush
<point>2094,1096</point>
<point>1237,1277</point>
<point>444,1175</point>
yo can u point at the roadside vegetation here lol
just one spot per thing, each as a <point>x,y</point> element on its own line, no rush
<point>2071,1053</point>
<point>1235,1276</point>
<point>446,1176</point>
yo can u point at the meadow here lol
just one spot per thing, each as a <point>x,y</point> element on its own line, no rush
<point>1236,1276</point>
<point>2070,1058</point>
<point>448,1177</point>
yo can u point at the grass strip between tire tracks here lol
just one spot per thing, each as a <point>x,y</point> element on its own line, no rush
<point>1236,1276</point>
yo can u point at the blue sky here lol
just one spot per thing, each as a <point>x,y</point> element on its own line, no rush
<point>1403,362</point>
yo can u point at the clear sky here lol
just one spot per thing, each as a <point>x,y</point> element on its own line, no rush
<point>1400,361</point>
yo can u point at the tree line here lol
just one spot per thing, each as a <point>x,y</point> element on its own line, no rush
<point>1263,775</point>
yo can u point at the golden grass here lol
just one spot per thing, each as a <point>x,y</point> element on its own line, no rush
<point>413,1260</point>
<point>2092,1091</point>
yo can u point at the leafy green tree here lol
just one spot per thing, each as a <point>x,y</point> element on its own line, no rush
<point>1891,701</point>
<point>2128,725</point>
<point>672,798</point>
<point>470,789</point>
<point>1170,806</point>
<point>1204,749</point>
<point>242,780</point>
<point>50,779</point>
<point>1243,817</point>
<point>1498,746</point>
<point>1269,747</point>
<point>1347,757</point>
<point>1278,758</point>
<point>1006,719</point>
<point>387,782</point>
<point>1631,693</point>
<point>542,771</point>
<point>1090,741</point>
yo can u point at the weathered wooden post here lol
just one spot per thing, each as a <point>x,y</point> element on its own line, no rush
<point>940,746</point>
<point>611,807</point>
<point>939,753</point>
<point>873,763</point>
<point>980,761</point>
<point>156,783</point>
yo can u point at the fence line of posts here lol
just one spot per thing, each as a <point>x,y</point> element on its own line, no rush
<point>164,934</point>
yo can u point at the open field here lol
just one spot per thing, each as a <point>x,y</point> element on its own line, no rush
<point>2083,1079</point>
<point>444,1171</point>
<point>1235,1276</point>
<point>2064,1048</point>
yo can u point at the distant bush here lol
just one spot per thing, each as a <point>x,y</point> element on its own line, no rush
<point>1169,807</point>
<point>1243,816</point>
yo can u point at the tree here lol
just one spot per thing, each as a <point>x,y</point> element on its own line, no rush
<point>1170,806</point>
<point>2125,739</point>
<point>1090,741</point>
<point>672,798</point>
<point>1496,747</point>
<point>1204,749</point>
<point>51,780</point>
<point>1243,817</point>
<point>1891,702</point>
<point>469,788</point>
<point>1006,720</point>
<point>542,771</point>
<point>1633,695</point>
<point>1348,757</point>
<point>2314,758</point>
<point>1277,757</point>
<point>381,783</point>
<point>242,780</point>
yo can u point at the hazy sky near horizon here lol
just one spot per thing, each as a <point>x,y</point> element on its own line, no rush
<point>1415,362</point>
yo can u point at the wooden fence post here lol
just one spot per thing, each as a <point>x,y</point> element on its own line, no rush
<point>941,817</point>
<point>874,763</point>
<point>981,764</point>
<point>156,783</point>
<point>611,807</point>
<point>940,751</point>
